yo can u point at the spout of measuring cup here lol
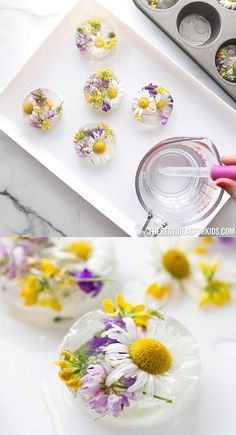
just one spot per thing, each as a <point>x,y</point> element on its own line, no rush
<point>223,172</point>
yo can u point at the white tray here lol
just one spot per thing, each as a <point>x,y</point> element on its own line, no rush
<point>58,65</point>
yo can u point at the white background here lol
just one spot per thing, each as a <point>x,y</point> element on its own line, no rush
<point>32,201</point>
<point>29,381</point>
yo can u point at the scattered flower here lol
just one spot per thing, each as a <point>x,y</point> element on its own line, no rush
<point>215,292</point>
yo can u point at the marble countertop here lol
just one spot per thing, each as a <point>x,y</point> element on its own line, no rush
<point>32,201</point>
<point>32,400</point>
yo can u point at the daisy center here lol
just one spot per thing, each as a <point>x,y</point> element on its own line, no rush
<point>176,263</point>
<point>150,355</point>
<point>143,103</point>
<point>28,108</point>
<point>100,43</point>
<point>112,93</point>
<point>99,147</point>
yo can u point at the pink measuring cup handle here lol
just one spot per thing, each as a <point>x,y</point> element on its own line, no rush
<point>223,172</point>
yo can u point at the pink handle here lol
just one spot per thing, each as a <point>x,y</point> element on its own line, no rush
<point>223,172</point>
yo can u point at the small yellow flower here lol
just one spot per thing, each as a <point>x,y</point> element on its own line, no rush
<point>46,125</point>
<point>82,249</point>
<point>105,74</point>
<point>29,293</point>
<point>138,313</point>
<point>69,369</point>
<point>216,292</point>
<point>48,269</point>
<point>108,306</point>
<point>50,302</point>
<point>79,135</point>
<point>208,269</point>
<point>158,291</point>
<point>107,129</point>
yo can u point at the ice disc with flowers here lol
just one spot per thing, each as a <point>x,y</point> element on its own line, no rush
<point>49,281</point>
<point>42,109</point>
<point>95,143</point>
<point>96,38</point>
<point>103,90</point>
<point>152,105</point>
<point>127,362</point>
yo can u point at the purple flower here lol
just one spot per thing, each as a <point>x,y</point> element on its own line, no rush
<point>106,107</point>
<point>98,396</point>
<point>89,287</point>
<point>83,149</point>
<point>226,240</point>
<point>97,131</point>
<point>83,41</point>
<point>110,322</point>
<point>128,382</point>
<point>93,84</point>
<point>96,343</point>
<point>151,89</point>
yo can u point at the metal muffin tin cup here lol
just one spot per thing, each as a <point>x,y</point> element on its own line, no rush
<point>222,30</point>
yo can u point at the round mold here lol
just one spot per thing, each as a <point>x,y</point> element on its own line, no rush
<point>198,24</point>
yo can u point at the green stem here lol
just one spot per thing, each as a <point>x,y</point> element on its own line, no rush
<point>160,398</point>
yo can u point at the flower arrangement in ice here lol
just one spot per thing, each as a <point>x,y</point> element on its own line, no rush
<point>42,108</point>
<point>103,91</point>
<point>152,105</point>
<point>226,62</point>
<point>185,266</point>
<point>229,4</point>
<point>135,359</point>
<point>54,275</point>
<point>95,143</point>
<point>161,4</point>
<point>96,38</point>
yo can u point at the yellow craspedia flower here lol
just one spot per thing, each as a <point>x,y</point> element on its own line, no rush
<point>158,291</point>
<point>82,249</point>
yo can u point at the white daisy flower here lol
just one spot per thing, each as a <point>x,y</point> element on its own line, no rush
<point>176,264</point>
<point>229,4</point>
<point>163,360</point>
<point>102,149</point>
<point>115,93</point>
<point>143,104</point>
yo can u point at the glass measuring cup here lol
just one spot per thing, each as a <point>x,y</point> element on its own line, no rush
<point>177,201</point>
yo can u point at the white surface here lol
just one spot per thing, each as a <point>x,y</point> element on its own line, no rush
<point>27,355</point>
<point>27,181</point>
<point>59,57</point>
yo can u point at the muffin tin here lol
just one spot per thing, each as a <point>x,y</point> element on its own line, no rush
<point>216,25</point>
